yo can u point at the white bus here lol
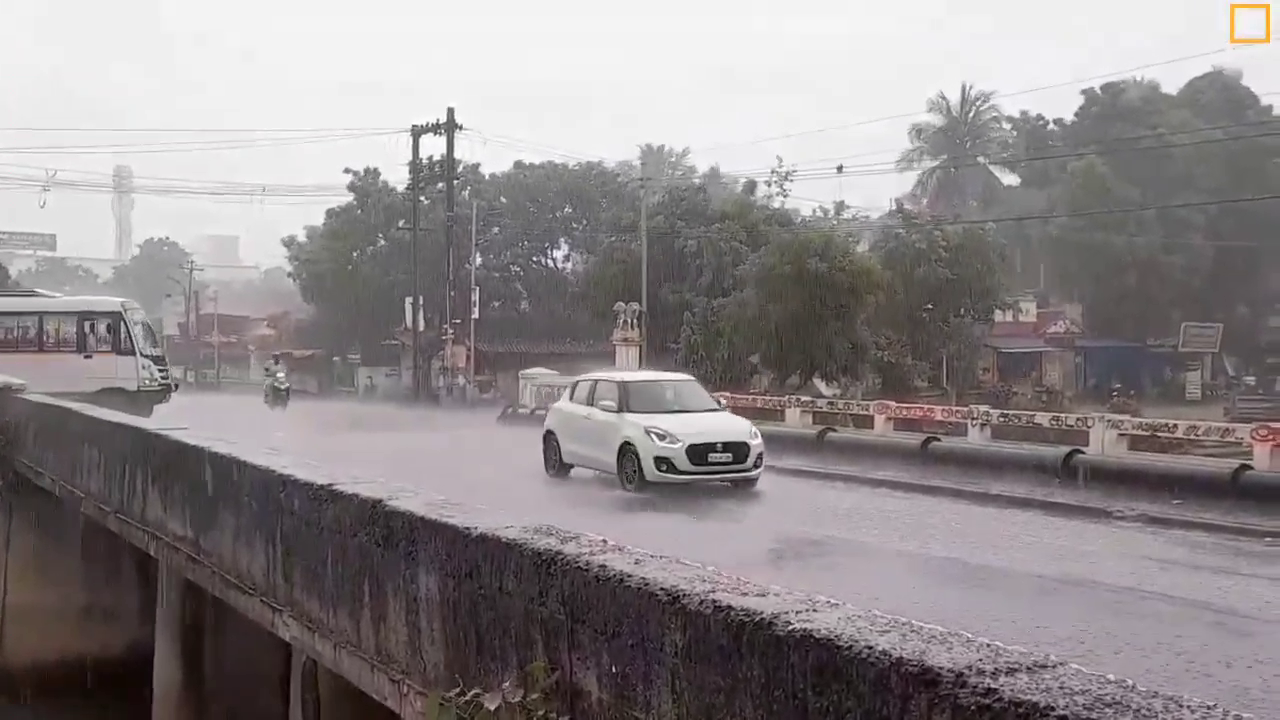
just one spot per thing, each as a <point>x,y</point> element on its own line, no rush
<point>100,350</point>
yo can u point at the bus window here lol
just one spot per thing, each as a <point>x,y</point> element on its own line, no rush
<point>126,341</point>
<point>97,334</point>
<point>19,333</point>
<point>59,333</point>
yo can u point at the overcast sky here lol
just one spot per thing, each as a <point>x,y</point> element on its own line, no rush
<point>558,79</point>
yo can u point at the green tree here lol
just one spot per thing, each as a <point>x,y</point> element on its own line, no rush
<point>6,281</point>
<point>955,149</point>
<point>1131,144</point>
<point>809,297</point>
<point>352,268</point>
<point>941,282</point>
<point>153,272</point>
<point>57,274</point>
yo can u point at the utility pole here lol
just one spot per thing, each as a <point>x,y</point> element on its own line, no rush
<point>644,267</point>
<point>191,268</point>
<point>449,128</point>
<point>415,133</point>
<point>475,301</point>
<point>217,345</point>
<point>450,297</point>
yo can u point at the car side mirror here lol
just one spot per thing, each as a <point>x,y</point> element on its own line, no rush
<point>607,406</point>
<point>723,402</point>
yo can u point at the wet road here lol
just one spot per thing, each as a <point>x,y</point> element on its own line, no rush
<point>1182,612</point>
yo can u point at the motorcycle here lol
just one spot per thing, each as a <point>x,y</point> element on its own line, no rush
<point>1123,402</point>
<point>277,395</point>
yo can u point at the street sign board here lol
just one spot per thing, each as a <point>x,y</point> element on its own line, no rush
<point>10,240</point>
<point>1200,337</point>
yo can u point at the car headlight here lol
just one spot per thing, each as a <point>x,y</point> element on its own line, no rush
<point>663,438</point>
<point>754,435</point>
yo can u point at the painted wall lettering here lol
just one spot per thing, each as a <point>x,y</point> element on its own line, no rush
<point>944,413</point>
<point>546,394</point>
<point>763,402</point>
<point>1222,432</point>
<point>1014,418</point>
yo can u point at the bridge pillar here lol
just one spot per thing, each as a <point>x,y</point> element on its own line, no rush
<point>177,665</point>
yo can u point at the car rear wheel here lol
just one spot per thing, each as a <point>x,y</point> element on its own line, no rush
<point>744,484</point>
<point>631,470</point>
<point>552,460</point>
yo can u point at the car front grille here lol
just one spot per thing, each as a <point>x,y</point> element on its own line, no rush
<point>698,452</point>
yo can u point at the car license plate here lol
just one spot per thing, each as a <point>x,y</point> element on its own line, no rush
<point>719,457</point>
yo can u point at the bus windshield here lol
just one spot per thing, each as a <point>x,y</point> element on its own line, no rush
<point>144,336</point>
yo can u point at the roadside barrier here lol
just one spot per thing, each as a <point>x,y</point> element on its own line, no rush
<point>1094,433</point>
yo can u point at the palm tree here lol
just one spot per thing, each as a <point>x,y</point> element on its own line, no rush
<point>953,150</point>
<point>661,167</point>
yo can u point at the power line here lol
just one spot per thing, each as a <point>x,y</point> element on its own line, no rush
<point>240,184</point>
<point>874,225</point>
<point>158,130</point>
<point>183,146</point>
<point>1116,138</point>
<point>517,144</point>
<point>1027,91</point>
<point>875,169</point>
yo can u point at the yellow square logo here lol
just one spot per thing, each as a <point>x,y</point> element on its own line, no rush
<point>1250,24</point>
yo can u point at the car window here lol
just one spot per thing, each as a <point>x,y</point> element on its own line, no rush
<point>605,391</point>
<point>581,391</point>
<point>669,396</point>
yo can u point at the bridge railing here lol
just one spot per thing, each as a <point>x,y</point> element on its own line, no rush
<point>1095,433</point>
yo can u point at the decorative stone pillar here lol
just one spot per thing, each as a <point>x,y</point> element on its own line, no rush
<point>627,337</point>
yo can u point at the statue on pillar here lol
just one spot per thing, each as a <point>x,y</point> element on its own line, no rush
<point>626,322</point>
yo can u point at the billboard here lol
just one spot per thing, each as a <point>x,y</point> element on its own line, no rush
<point>9,240</point>
<point>1200,337</point>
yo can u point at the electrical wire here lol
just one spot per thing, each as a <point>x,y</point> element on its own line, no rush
<point>184,146</point>
<point>855,226</point>
<point>877,169</point>
<point>1117,138</point>
<point>517,144</point>
<point>158,130</point>
<point>1026,91</point>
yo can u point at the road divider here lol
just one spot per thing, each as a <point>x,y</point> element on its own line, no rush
<point>1166,475</point>
<point>1257,446</point>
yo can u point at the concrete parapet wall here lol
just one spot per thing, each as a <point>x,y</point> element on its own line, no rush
<point>403,593</point>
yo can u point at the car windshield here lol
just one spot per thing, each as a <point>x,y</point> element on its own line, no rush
<point>669,396</point>
<point>143,334</point>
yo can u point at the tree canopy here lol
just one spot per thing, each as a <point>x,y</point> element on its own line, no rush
<point>1143,206</point>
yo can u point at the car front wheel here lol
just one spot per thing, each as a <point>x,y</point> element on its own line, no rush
<point>552,460</point>
<point>631,470</point>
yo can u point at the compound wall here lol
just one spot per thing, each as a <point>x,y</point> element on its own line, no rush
<point>405,594</point>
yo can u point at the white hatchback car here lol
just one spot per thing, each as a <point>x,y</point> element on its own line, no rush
<point>649,426</point>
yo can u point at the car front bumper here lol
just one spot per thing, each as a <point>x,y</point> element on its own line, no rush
<point>667,465</point>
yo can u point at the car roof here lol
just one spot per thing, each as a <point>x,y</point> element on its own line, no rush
<point>626,376</point>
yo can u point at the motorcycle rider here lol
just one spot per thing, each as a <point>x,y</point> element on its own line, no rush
<point>270,369</point>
